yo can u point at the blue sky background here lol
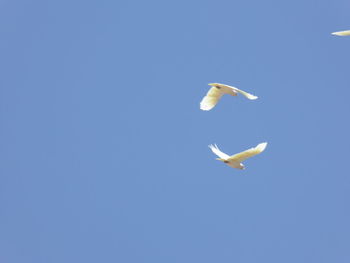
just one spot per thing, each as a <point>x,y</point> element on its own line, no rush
<point>103,148</point>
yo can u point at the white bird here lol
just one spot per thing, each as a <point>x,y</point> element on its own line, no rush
<point>235,161</point>
<point>215,93</point>
<point>342,33</point>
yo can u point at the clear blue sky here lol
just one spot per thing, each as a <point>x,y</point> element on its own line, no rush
<point>103,148</point>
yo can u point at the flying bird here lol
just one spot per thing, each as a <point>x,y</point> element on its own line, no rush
<point>235,161</point>
<point>342,33</point>
<point>215,93</point>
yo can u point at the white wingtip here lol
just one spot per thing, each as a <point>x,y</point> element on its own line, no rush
<point>261,146</point>
<point>212,146</point>
<point>252,97</point>
<point>205,107</point>
<point>342,33</point>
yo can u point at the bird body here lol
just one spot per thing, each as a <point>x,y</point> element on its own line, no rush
<point>217,91</point>
<point>235,161</point>
<point>342,33</point>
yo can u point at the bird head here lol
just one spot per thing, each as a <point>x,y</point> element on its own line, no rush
<point>216,85</point>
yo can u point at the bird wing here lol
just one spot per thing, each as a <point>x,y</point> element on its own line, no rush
<point>342,33</point>
<point>245,94</point>
<point>240,157</point>
<point>217,151</point>
<point>211,99</point>
<point>233,90</point>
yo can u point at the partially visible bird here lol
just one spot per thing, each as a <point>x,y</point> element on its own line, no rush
<point>342,33</point>
<point>215,93</point>
<point>235,161</point>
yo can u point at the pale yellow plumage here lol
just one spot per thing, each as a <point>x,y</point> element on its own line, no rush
<point>342,33</point>
<point>211,99</point>
<point>236,160</point>
<point>217,91</point>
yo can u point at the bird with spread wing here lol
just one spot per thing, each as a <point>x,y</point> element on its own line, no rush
<point>217,91</point>
<point>235,161</point>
